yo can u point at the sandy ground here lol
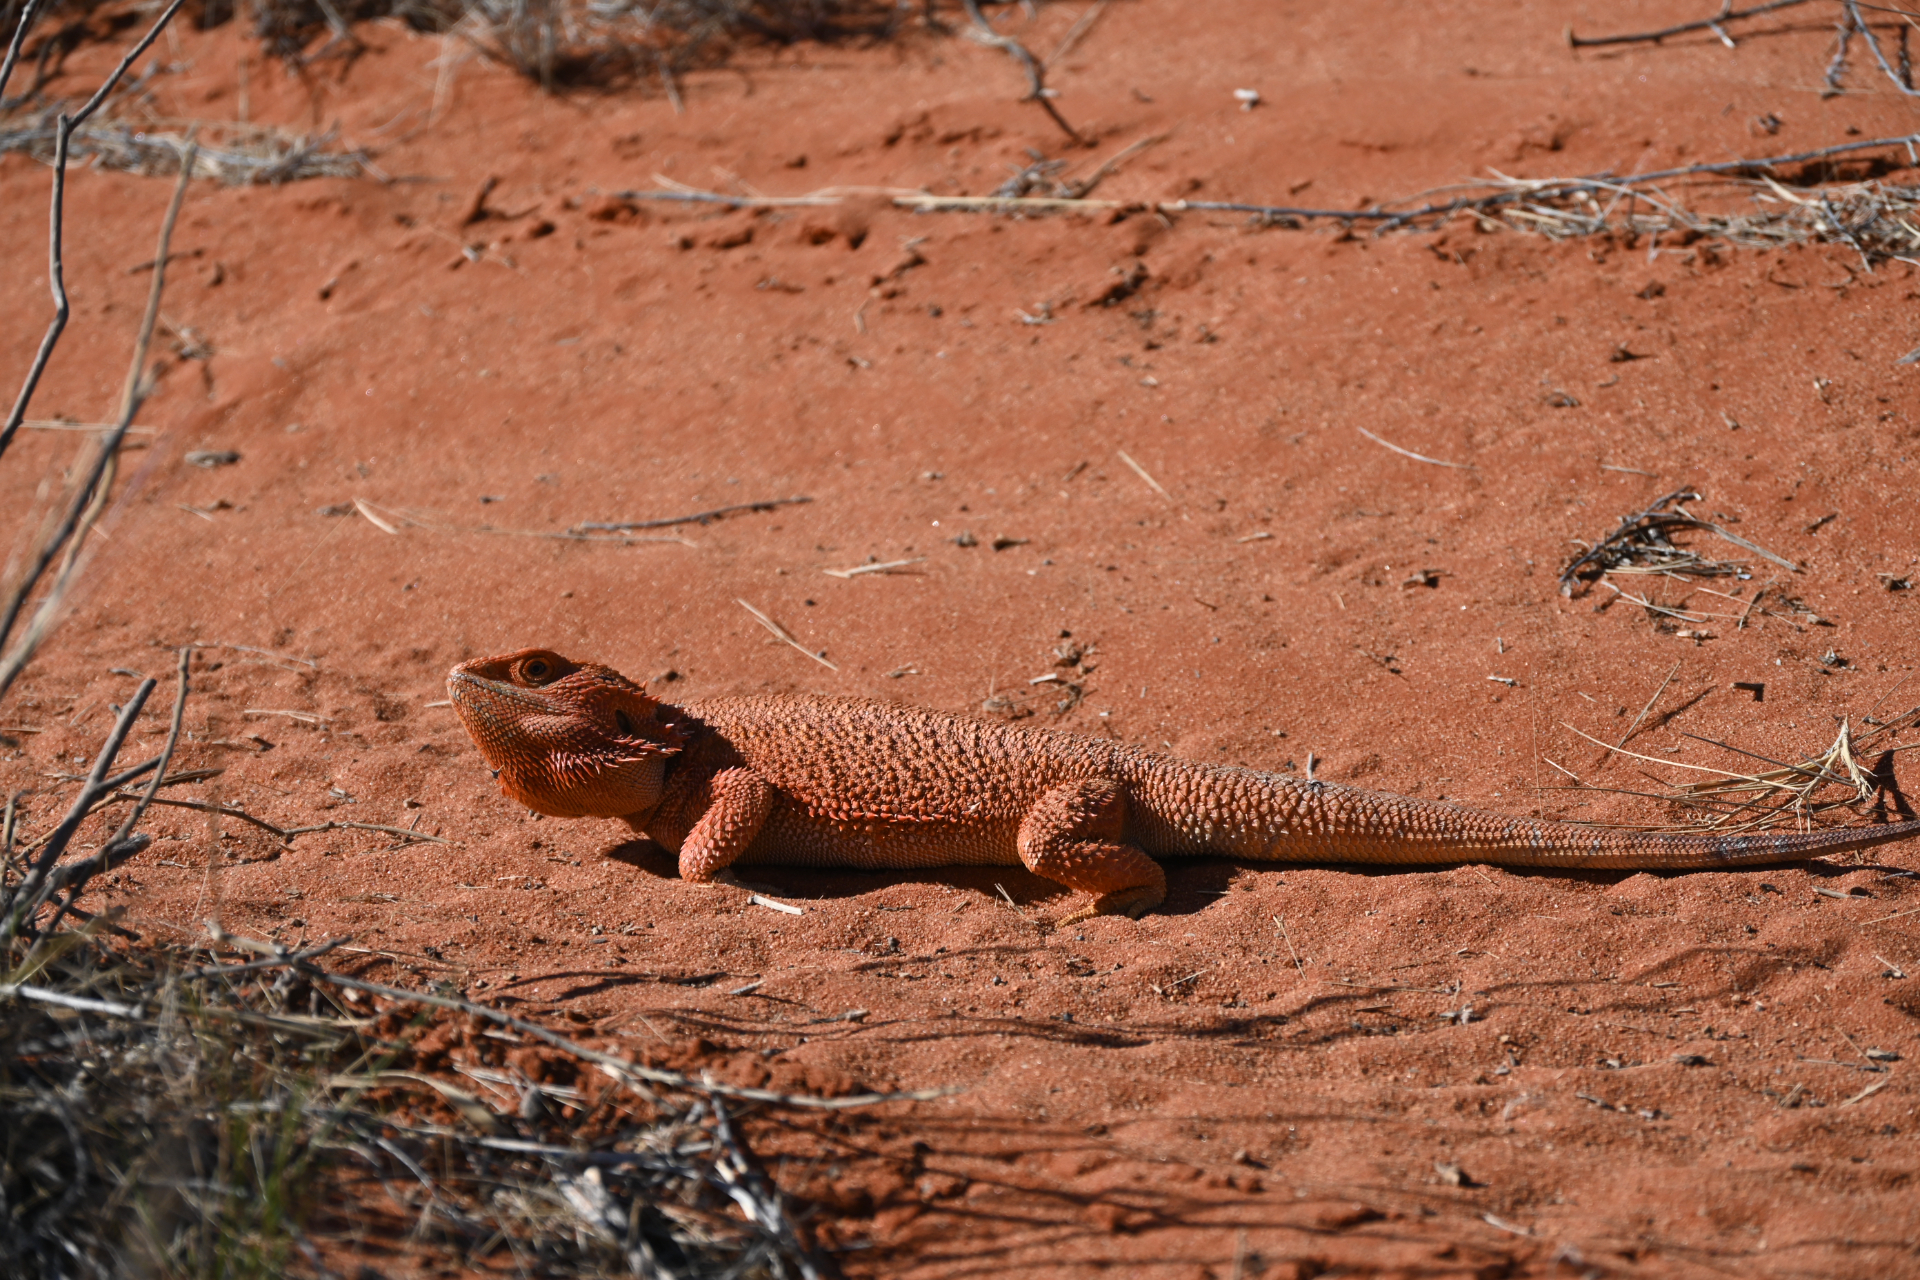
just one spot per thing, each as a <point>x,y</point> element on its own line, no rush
<point>1660,1074</point>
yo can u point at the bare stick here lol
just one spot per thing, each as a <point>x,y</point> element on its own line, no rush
<point>56,278</point>
<point>1672,764</point>
<point>27,14</point>
<point>1726,14</point>
<point>80,1003</point>
<point>1037,90</point>
<point>1417,457</point>
<point>291,832</point>
<point>1287,938</point>
<point>202,806</point>
<point>1643,711</point>
<point>1084,186</point>
<point>1142,473</point>
<point>1075,33</point>
<point>698,517</point>
<point>1873,45</point>
<point>122,845</point>
<point>1508,193</point>
<point>861,570</point>
<point>1837,67</point>
<point>783,634</point>
<point>33,889</point>
<point>90,497</point>
<point>747,1185</point>
<point>228,970</point>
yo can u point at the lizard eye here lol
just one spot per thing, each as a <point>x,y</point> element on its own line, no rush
<point>624,721</point>
<point>536,671</point>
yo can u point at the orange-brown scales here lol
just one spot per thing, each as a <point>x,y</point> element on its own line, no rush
<point>847,782</point>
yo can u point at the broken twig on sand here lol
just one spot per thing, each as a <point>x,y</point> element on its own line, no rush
<point>1037,91</point>
<point>1640,545</point>
<point>698,517</point>
<point>784,635</point>
<point>1726,14</point>
<point>1417,457</point>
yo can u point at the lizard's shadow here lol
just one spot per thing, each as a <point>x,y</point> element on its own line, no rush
<point>804,882</point>
<point>1193,884</point>
<point>643,854</point>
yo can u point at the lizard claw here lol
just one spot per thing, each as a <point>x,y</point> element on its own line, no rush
<point>1132,903</point>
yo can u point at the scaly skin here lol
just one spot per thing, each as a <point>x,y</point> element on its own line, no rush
<point>847,782</point>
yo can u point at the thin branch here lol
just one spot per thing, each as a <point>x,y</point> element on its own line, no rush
<point>123,844</point>
<point>421,836</point>
<point>89,498</point>
<point>739,1173</point>
<point>1408,453</point>
<point>1037,91</point>
<point>228,970</point>
<point>1074,33</point>
<point>1643,711</point>
<point>698,517</point>
<point>1726,14</point>
<point>79,1003</point>
<point>1873,45</point>
<point>784,635</point>
<point>1837,67</point>
<point>33,890</point>
<point>1507,192</point>
<point>56,278</point>
<point>27,14</point>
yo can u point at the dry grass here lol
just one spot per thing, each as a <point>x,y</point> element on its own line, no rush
<point>199,1116</point>
<point>1877,219</point>
<point>227,155</point>
<point>1835,786</point>
<point>1643,544</point>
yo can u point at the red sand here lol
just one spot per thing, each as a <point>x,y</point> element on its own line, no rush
<point>1155,1098</point>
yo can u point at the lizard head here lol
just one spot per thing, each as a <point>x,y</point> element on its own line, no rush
<point>567,739</point>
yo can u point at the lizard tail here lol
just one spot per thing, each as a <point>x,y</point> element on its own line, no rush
<point>1339,824</point>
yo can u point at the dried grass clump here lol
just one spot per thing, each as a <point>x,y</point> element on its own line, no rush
<point>216,1110</point>
<point>232,156</point>
<point>1643,543</point>
<point>1836,785</point>
<point>160,1116</point>
<point>1878,220</point>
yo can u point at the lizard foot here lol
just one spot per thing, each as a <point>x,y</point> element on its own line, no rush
<point>1073,836</point>
<point>1132,903</point>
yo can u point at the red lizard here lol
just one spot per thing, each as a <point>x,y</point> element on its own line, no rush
<point>846,782</point>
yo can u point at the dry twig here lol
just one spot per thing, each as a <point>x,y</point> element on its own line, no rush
<point>1726,14</point>
<point>1036,74</point>
<point>1640,544</point>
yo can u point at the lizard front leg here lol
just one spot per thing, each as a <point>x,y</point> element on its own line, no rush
<point>738,802</point>
<point>1072,835</point>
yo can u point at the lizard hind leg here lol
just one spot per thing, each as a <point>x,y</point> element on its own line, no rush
<point>1073,835</point>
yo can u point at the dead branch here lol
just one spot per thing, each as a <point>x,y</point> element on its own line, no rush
<point>698,517</point>
<point>1726,14</point>
<point>56,278</point>
<point>982,31</point>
